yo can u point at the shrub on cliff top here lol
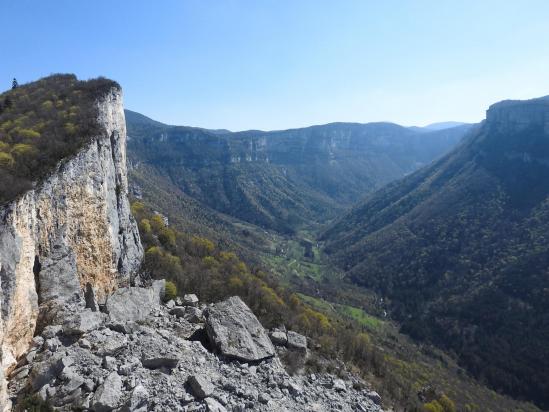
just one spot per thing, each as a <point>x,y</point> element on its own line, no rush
<point>42,123</point>
<point>171,291</point>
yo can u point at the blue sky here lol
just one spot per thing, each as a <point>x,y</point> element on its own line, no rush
<point>273,64</point>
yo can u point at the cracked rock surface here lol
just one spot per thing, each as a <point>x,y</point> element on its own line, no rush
<point>152,365</point>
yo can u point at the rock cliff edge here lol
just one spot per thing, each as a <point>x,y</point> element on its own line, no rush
<point>72,231</point>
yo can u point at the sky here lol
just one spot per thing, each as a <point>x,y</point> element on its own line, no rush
<point>277,64</point>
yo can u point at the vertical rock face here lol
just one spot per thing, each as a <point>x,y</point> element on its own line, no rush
<point>71,230</point>
<point>519,115</point>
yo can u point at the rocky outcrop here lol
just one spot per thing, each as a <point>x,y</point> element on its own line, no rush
<point>73,230</point>
<point>236,333</point>
<point>107,370</point>
<point>290,340</point>
<point>131,304</point>
<point>518,115</point>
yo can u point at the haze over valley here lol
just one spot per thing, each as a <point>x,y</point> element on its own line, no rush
<point>233,206</point>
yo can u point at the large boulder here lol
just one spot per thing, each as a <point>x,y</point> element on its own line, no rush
<point>235,332</point>
<point>156,354</point>
<point>107,397</point>
<point>131,304</point>
<point>296,341</point>
<point>82,322</point>
<point>139,399</point>
<point>159,287</point>
<point>278,337</point>
<point>201,387</point>
<point>190,300</point>
<point>47,371</point>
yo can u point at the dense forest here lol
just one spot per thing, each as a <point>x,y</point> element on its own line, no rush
<point>460,250</point>
<point>42,123</point>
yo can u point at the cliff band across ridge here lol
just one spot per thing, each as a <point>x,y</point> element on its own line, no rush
<point>73,230</point>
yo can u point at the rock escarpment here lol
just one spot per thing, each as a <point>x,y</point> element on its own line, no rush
<point>73,231</point>
<point>519,115</point>
<point>157,364</point>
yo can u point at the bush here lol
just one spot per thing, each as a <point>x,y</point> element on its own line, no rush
<point>433,406</point>
<point>171,291</point>
<point>33,403</point>
<point>35,131</point>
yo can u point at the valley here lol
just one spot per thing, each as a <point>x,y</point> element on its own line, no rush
<point>294,250</point>
<point>274,206</point>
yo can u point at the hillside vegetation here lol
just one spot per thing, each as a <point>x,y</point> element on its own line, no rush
<point>42,123</point>
<point>460,250</point>
<point>408,376</point>
<point>166,164</point>
<point>282,180</point>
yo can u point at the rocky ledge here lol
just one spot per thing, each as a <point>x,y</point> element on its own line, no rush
<point>178,356</point>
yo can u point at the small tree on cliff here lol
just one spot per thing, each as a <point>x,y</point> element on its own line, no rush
<point>14,84</point>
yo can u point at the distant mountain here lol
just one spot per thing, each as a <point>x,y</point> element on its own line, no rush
<point>283,180</point>
<point>443,125</point>
<point>460,249</point>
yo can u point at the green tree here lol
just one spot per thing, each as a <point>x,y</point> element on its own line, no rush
<point>171,291</point>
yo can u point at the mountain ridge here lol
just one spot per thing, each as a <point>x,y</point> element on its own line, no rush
<point>282,180</point>
<point>466,230</point>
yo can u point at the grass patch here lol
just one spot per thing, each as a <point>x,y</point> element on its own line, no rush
<point>360,316</point>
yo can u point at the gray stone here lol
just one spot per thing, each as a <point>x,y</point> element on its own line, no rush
<point>339,385</point>
<point>84,343</point>
<point>278,337</point>
<point>178,311</point>
<point>64,362</point>
<point>213,405</point>
<point>109,363</point>
<point>296,341</point>
<point>123,327</point>
<point>73,383</point>
<point>31,355</point>
<point>131,304</point>
<point>82,322</point>
<point>139,399</point>
<point>21,373</point>
<point>43,393</point>
<point>125,369</point>
<point>264,398</point>
<point>52,344</point>
<point>193,314</point>
<point>107,397</point>
<point>170,304</point>
<point>112,344</point>
<point>159,288</point>
<point>45,372</point>
<point>51,391</point>
<point>158,360</point>
<point>51,331</point>
<point>374,397</point>
<point>37,341</point>
<point>235,332</point>
<point>88,385</point>
<point>190,300</point>
<point>58,277</point>
<point>201,387</point>
<point>89,297</point>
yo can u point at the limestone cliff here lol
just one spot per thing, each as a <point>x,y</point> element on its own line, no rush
<point>519,115</point>
<point>74,228</point>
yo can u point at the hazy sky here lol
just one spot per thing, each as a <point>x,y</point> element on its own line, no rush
<point>275,64</point>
